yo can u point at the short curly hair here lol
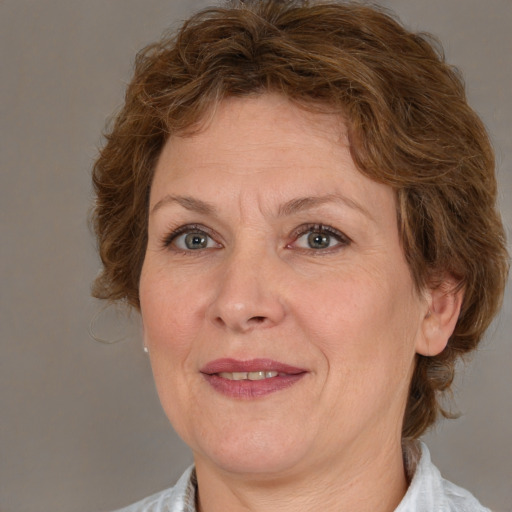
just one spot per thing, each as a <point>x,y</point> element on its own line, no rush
<point>409,126</point>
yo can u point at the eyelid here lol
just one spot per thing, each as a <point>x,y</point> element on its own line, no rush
<point>298,232</point>
<point>303,229</point>
<point>169,238</point>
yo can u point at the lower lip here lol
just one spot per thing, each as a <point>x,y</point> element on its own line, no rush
<point>247,389</point>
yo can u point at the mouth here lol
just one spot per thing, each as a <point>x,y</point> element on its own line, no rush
<point>248,375</point>
<point>250,379</point>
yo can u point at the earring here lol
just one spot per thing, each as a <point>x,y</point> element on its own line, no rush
<point>146,350</point>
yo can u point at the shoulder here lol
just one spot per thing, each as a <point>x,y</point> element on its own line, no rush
<point>153,503</point>
<point>461,500</point>
<point>429,491</point>
<point>180,498</point>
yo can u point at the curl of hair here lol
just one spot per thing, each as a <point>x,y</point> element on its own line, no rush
<point>409,127</point>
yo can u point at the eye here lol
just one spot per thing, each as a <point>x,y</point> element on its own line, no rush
<point>190,238</point>
<point>318,237</point>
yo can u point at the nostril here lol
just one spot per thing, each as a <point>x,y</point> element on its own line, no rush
<point>257,319</point>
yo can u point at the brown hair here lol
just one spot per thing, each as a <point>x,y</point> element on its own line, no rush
<point>409,126</point>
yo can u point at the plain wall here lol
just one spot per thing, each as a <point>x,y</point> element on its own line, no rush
<point>81,427</point>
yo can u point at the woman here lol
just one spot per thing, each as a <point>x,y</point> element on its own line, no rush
<point>301,204</point>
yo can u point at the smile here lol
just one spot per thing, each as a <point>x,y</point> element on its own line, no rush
<point>250,379</point>
<point>248,375</point>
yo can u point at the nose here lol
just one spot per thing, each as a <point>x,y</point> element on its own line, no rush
<point>247,295</point>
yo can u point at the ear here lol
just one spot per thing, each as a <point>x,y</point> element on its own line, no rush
<point>444,302</point>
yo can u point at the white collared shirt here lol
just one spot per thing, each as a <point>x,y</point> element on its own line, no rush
<point>427,492</point>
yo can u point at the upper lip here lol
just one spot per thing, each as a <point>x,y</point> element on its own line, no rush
<point>252,365</point>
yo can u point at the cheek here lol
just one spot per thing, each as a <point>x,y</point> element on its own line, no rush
<point>169,324</point>
<point>169,310</point>
<point>364,320</point>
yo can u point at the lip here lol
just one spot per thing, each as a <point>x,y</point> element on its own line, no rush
<point>252,365</point>
<point>247,389</point>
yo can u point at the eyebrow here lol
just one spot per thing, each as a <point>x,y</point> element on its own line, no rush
<point>187,202</point>
<point>289,208</point>
<point>306,203</point>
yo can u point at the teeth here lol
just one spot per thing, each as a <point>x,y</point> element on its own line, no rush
<point>256,375</point>
<point>248,375</point>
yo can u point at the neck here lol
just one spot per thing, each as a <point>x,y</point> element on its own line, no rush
<point>375,482</point>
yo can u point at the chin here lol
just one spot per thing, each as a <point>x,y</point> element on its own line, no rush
<point>257,452</point>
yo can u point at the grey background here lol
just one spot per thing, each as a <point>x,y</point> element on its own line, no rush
<point>81,428</point>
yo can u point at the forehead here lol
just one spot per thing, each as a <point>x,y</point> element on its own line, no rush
<point>243,132</point>
<point>274,119</point>
<point>263,146</point>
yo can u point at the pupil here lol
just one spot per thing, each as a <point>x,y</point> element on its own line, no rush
<point>195,241</point>
<point>318,240</point>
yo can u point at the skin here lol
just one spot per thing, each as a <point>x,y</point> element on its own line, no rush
<point>349,314</point>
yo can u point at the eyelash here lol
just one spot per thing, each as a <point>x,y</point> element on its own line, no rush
<point>299,232</point>
<point>321,229</point>
<point>170,239</point>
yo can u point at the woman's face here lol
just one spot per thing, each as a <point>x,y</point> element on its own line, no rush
<point>279,311</point>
